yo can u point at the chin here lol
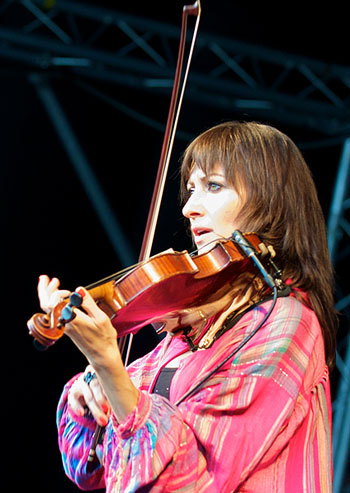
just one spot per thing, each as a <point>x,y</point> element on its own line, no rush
<point>206,245</point>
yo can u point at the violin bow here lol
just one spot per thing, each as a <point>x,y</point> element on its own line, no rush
<point>168,141</point>
<point>163,166</point>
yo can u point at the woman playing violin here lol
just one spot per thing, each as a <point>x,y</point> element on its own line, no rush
<point>260,422</point>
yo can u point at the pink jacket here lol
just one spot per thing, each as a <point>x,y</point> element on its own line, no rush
<point>261,423</point>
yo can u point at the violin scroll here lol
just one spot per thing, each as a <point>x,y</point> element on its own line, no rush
<point>46,328</point>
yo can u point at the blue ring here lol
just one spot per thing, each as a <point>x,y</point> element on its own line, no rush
<point>89,377</point>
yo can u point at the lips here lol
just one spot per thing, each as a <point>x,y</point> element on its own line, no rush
<point>198,232</point>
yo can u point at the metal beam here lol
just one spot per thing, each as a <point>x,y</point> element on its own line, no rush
<point>84,171</point>
<point>338,244</point>
<point>226,73</point>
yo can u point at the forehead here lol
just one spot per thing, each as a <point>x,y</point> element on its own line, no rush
<point>198,173</point>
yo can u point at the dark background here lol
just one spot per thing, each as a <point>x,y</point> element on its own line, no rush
<point>49,225</point>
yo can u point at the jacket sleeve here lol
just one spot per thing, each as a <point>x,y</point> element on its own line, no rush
<point>75,435</point>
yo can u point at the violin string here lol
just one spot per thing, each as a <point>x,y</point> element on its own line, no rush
<point>220,237</point>
<point>113,277</point>
<point>119,274</point>
<point>126,270</point>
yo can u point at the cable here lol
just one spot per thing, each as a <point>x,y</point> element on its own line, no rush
<point>191,391</point>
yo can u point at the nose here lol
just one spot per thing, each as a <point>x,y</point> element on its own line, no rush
<point>194,206</point>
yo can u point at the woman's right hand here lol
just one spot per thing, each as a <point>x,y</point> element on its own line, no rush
<point>89,395</point>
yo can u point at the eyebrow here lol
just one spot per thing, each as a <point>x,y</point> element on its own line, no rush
<point>206,177</point>
<point>216,174</point>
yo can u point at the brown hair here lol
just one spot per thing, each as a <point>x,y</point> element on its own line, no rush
<point>280,205</point>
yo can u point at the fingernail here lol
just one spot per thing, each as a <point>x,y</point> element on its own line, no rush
<point>81,291</point>
<point>105,408</point>
<point>103,421</point>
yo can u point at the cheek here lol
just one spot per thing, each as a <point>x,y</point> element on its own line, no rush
<point>224,211</point>
<point>230,217</point>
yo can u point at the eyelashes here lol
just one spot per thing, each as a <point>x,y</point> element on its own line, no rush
<point>211,186</point>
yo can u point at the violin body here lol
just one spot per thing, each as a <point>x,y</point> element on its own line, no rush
<point>170,288</point>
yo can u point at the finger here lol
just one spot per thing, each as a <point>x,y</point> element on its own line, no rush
<point>95,408</point>
<point>76,400</point>
<point>55,293</point>
<point>75,395</point>
<point>53,284</point>
<point>48,292</point>
<point>58,296</point>
<point>96,389</point>
<point>50,285</point>
<point>81,396</point>
<point>43,292</point>
<point>90,305</point>
<point>98,404</point>
<point>100,396</point>
<point>43,283</point>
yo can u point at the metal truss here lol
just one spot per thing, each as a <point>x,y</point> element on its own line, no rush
<point>52,38</point>
<point>131,51</point>
<point>339,248</point>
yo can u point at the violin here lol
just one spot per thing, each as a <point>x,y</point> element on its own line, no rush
<point>172,289</point>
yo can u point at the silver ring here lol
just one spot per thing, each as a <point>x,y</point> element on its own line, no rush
<point>89,377</point>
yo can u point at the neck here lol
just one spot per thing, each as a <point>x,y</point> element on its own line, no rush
<point>246,293</point>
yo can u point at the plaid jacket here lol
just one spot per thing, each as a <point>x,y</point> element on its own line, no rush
<point>261,423</point>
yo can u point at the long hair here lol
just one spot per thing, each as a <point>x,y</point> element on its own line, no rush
<point>280,205</point>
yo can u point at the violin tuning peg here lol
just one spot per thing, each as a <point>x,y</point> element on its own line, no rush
<point>67,314</point>
<point>75,299</point>
<point>263,249</point>
<point>38,346</point>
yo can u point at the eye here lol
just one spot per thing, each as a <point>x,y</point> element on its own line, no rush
<point>214,186</point>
